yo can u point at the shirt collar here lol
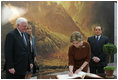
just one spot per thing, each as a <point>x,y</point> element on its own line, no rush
<point>19,32</point>
<point>98,37</point>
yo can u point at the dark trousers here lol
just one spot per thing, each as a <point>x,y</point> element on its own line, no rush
<point>96,69</point>
<point>14,76</point>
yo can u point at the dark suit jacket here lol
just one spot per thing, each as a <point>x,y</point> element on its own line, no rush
<point>97,50</point>
<point>33,49</point>
<point>17,54</point>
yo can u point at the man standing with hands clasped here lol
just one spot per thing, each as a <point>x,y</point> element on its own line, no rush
<point>98,57</point>
<point>17,51</point>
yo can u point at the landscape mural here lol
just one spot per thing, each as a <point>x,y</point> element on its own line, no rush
<point>53,22</point>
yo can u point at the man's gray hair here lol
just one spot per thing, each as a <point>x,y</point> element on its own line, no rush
<point>20,20</point>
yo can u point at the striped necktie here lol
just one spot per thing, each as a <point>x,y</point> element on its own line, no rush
<point>24,40</point>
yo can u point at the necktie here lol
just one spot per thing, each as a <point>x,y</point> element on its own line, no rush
<point>97,39</point>
<point>24,40</point>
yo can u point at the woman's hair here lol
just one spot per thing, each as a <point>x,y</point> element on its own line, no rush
<point>76,36</point>
<point>29,26</point>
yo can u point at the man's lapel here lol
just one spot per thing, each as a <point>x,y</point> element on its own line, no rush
<point>101,39</point>
<point>94,40</point>
<point>19,37</point>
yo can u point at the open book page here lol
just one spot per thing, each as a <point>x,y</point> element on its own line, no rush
<point>66,76</point>
<point>92,75</point>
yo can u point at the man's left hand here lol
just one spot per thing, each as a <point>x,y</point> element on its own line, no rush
<point>96,59</point>
<point>31,65</point>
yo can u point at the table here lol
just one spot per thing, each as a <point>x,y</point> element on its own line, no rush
<point>54,76</point>
<point>46,77</point>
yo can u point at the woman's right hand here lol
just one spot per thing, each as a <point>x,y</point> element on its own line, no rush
<point>70,74</point>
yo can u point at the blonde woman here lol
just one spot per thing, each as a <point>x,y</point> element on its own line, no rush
<point>79,54</point>
<point>33,50</point>
<point>32,42</point>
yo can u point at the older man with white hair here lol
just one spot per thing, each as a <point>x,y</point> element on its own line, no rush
<point>17,51</point>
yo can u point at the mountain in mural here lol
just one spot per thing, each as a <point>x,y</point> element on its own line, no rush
<point>59,16</point>
<point>52,24</point>
<point>48,41</point>
<point>86,14</point>
<point>49,14</point>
